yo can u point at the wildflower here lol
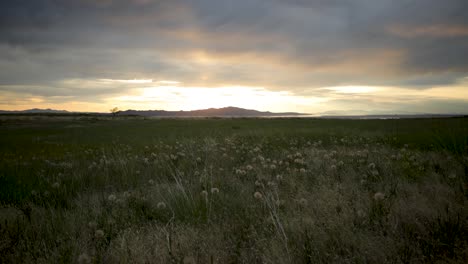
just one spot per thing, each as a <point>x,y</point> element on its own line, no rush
<point>127,194</point>
<point>99,234</point>
<point>84,259</point>
<point>379,196</point>
<point>214,190</point>
<point>371,166</point>
<point>279,177</point>
<point>249,167</point>
<point>271,184</point>
<point>333,167</point>
<point>111,198</point>
<point>161,205</point>
<point>56,185</point>
<point>151,181</point>
<point>302,170</point>
<point>199,160</point>
<point>340,163</point>
<point>273,166</point>
<point>258,195</point>
<point>204,193</point>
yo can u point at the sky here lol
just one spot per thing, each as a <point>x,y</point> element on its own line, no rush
<point>309,56</point>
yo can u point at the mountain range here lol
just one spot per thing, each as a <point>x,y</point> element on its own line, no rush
<point>35,111</point>
<point>211,112</point>
<point>235,112</point>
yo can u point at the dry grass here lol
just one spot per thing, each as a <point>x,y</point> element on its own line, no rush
<point>194,200</point>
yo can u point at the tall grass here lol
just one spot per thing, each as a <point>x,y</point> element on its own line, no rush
<point>233,191</point>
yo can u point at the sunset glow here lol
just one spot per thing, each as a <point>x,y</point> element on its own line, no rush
<point>312,57</point>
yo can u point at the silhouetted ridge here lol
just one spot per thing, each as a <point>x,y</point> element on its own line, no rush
<point>211,112</point>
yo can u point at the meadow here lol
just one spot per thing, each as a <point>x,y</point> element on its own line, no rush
<point>84,189</point>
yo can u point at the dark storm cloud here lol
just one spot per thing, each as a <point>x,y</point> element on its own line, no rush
<point>294,45</point>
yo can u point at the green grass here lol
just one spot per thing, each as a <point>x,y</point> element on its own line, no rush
<point>82,189</point>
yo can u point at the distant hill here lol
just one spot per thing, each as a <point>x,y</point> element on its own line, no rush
<point>35,111</point>
<point>211,112</point>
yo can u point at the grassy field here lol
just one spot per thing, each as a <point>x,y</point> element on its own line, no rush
<point>126,190</point>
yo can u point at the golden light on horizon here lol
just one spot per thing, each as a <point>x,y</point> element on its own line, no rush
<point>173,97</point>
<point>354,89</point>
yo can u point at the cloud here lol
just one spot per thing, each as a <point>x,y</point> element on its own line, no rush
<point>283,45</point>
<point>436,31</point>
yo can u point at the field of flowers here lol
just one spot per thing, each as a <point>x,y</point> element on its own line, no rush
<point>90,190</point>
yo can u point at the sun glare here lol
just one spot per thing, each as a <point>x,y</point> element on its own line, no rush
<point>353,89</point>
<point>173,97</point>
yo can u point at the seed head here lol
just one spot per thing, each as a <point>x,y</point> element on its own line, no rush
<point>258,195</point>
<point>99,234</point>
<point>151,182</point>
<point>379,196</point>
<point>214,190</point>
<point>258,183</point>
<point>204,193</point>
<point>161,206</point>
<point>111,198</point>
<point>84,259</point>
